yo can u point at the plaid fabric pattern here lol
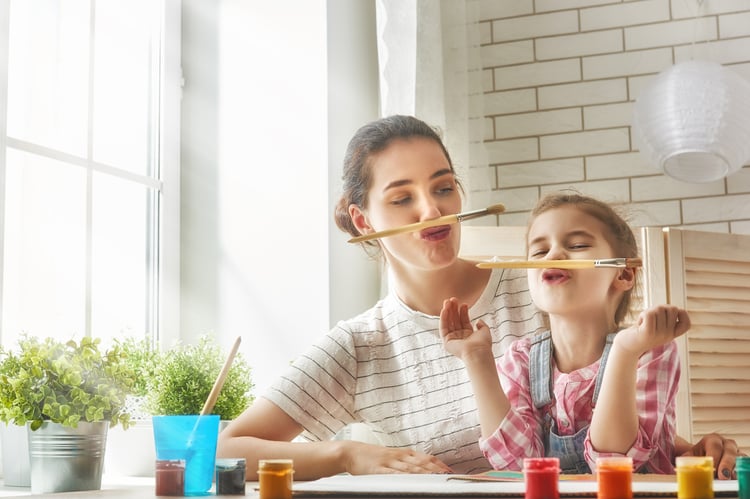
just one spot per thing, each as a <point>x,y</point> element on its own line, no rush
<point>521,432</point>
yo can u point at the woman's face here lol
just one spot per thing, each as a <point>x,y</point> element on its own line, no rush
<point>412,182</point>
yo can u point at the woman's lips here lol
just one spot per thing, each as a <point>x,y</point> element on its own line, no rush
<point>436,233</point>
<point>555,276</point>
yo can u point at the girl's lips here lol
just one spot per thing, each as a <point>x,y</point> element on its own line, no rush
<point>555,276</point>
<point>436,233</point>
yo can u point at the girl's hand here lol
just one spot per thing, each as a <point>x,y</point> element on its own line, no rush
<point>459,337</point>
<point>655,326</point>
<point>367,459</point>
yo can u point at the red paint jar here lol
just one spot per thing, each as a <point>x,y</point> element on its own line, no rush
<point>614,477</point>
<point>541,475</point>
<point>169,476</point>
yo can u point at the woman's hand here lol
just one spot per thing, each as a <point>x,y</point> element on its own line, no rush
<point>724,451</point>
<point>364,459</point>
<point>459,337</point>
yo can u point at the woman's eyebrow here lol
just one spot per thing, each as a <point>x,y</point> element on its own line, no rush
<point>441,172</point>
<point>406,181</point>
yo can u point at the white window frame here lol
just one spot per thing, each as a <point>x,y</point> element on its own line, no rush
<point>165,301</point>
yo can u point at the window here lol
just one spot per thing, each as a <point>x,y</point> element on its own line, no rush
<point>88,153</point>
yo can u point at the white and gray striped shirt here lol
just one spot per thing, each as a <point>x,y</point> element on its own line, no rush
<point>388,369</point>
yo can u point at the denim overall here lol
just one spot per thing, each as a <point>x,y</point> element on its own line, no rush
<point>569,448</point>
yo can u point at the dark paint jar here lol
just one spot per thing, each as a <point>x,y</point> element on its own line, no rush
<point>230,476</point>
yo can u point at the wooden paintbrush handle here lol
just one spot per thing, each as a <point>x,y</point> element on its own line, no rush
<point>537,264</point>
<point>444,220</point>
<point>219,383</point>
<point>561,264</point>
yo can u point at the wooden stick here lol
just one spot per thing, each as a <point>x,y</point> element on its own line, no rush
<point>444,220</point>
<point>219,383</point>
<point>561,264</point>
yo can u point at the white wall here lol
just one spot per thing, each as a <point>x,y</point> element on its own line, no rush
<point>260,256</point>
<point>352,102</point>
<point>255,260</point>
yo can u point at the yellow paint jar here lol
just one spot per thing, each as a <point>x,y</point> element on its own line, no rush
<point>275,478</point>
<point>695,477</point>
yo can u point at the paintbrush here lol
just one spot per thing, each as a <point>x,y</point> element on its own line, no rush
<point>560,264</point>
<point>208,406</point>
<point>444,220</point>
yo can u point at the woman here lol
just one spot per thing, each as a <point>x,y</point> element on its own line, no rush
<point>386,367</point>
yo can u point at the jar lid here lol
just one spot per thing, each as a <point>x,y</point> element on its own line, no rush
<point>615,463</point>
<point>694,462</point>
<point>541,464</point>
<point>163,464</point>
<point>275,464</point>
<point>227,463</point>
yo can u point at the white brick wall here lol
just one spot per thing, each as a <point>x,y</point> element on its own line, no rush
<point>560,79</point>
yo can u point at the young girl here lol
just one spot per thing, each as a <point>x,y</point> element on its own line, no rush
<point>585,388</point>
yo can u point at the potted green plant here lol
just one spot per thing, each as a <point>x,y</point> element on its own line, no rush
<point>67,394</point>
<point>185,375</point>
<point>130,451</point>
<point>172,382</point>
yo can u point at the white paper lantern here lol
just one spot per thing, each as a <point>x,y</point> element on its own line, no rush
<point>693,121</point>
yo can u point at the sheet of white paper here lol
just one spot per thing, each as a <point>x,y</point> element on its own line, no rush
<point>440,485</point>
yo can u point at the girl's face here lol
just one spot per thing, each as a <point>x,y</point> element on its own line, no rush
<point>412,182</point>
<point>568,233</point>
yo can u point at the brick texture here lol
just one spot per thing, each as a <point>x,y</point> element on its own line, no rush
<point>560,80</point>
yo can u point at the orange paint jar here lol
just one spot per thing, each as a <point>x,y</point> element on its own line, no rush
<point>614,477</point>
<point>695,477</point>
<point>275,478</point>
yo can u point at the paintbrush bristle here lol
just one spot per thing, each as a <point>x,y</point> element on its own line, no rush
<point>495,208</point>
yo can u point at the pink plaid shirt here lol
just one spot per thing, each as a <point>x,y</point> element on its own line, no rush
<point>520,433</point>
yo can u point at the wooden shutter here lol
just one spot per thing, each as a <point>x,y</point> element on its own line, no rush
<point>709,275</point>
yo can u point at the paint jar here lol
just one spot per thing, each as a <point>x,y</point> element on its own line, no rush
<point>169,476</point>
<point>541,476</point>
<point>230,476</point>
<point>695,477</point>
<point>191,437</point>
<point>275,478</point>
<point>614,477</point>
<point>742,467</point>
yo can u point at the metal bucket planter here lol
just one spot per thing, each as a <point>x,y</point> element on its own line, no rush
<point>64,459</point>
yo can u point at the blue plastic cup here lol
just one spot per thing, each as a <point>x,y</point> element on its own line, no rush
<point>192,438</point>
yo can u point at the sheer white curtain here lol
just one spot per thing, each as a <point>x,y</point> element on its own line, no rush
<point>430,67</point>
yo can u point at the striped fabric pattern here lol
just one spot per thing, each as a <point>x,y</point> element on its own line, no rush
<point>388,368</point>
